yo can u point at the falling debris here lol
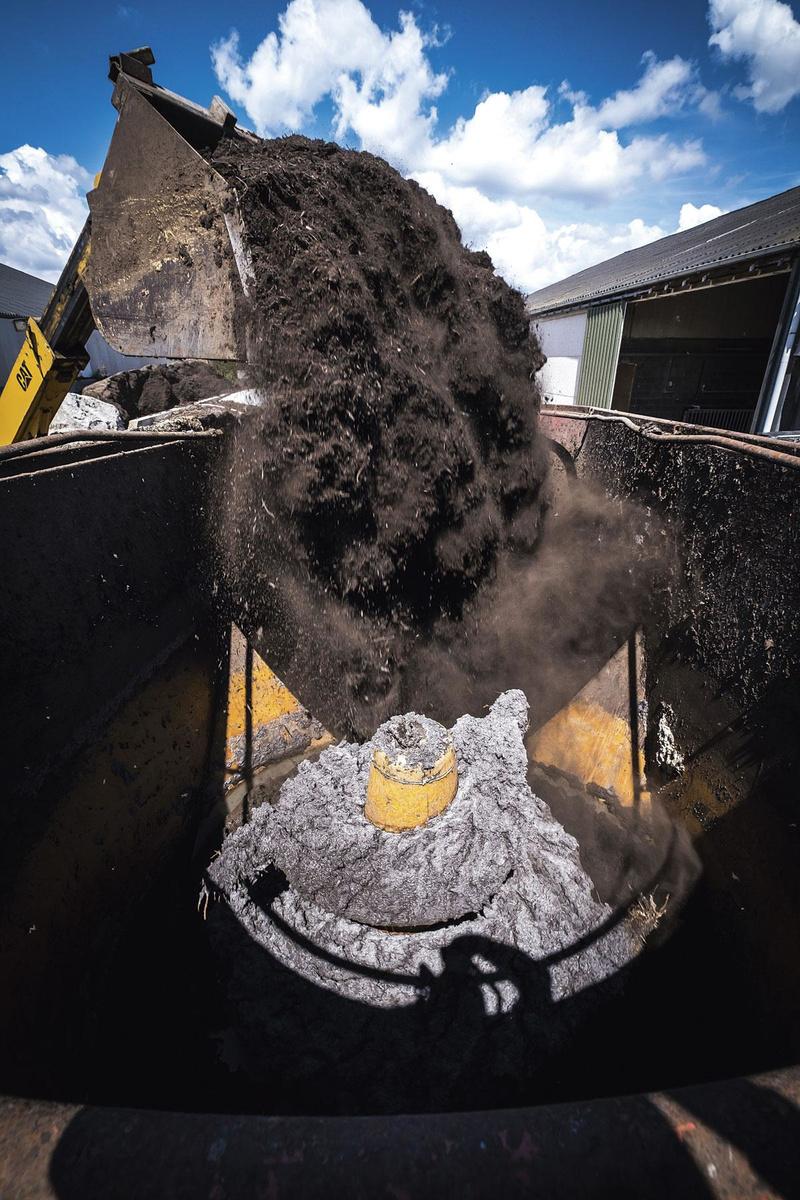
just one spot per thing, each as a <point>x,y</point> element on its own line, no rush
<point>666,753</point>
<point>646,915</point>
<point>397,447</point>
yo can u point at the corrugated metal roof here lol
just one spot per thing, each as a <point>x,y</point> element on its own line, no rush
<point>753,232</point>
<point>22,295</point>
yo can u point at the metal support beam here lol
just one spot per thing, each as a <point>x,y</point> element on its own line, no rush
<point>767,417</point>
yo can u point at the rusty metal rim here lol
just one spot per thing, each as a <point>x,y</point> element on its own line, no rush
<point>735,1138</point>
<point>39,468</point>
<point>744,444</point>
<point>40,446</point>
<point>580,411</point>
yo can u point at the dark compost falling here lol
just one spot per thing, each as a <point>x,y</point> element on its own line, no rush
<point>396,459</point>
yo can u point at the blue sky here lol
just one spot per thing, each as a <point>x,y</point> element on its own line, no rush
<point>561,133</point>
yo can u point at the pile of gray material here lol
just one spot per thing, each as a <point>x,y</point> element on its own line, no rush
<point>85,412</point>
<point>446,966</point>
<point>160,386</point>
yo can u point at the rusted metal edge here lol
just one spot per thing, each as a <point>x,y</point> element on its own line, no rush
<point>71,460</point>
<point>733,1139</point>
<point>580,411</point>
<point>750,444</point>
<point>40,447</point>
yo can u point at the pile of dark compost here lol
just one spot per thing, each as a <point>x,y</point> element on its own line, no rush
<point>396,458</point>
<point>159,387</point>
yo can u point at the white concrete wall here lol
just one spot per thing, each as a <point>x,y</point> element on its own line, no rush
<point>561,340</point>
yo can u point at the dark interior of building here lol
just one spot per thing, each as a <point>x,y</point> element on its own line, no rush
<point>699,355</point>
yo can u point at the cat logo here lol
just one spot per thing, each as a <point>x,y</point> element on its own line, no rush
<point>24,376</point>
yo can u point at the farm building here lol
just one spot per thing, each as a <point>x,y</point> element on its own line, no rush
<point>700,326</point>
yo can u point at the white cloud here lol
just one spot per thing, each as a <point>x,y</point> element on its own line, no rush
<point>494,167</point>
<point>527,252</point>
<point>765,35</point>
<point>333,47</point>
<point>531,254</point>
<point>382,87</point>
<point>664,89</point>
<point>511,147</point>
<point>693,214</point>
<point>42,209</point>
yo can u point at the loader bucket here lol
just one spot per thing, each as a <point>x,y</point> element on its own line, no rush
<point>167,263</point>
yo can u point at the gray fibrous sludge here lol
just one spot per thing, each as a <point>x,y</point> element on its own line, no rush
<point>443,966</point>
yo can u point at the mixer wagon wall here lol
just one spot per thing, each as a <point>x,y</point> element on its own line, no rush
<point>117,673</point>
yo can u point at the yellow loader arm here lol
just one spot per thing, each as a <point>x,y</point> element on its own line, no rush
<point>162,255</point>
<point>39,381</point>
<point>52,356</point>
